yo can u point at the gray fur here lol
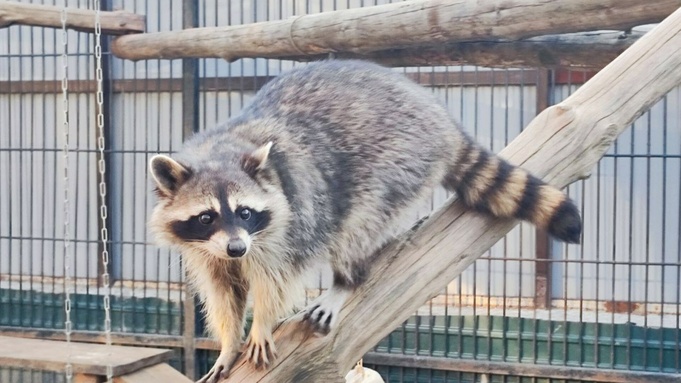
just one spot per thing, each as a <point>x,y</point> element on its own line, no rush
<point>355,148</point>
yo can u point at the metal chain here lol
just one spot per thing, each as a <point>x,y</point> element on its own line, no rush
<point>68,326</point>
<point>103,211</point>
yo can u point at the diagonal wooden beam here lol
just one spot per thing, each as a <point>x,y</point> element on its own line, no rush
<point>113,22</point>
<point>408,24</point>
<point>561,145</point>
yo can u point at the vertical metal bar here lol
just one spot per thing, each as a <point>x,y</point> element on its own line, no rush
<point>542,297</point>
<point>30,125</point>
<point>597,265</point>
<point>614,257</point>
<point>476,319</point>
<point>446,311</point>
<point>664,230</point>
<point>520,242</point>
<point>677,304</point>
<point>630,249</point>
<point>190,125</point>
<point>489,252</point>
<point>565,251</point>
<point>646,280</point>
<point>20,182</point>
<point>581,273</point>
<point>460,319</point>
<point>157,251</point>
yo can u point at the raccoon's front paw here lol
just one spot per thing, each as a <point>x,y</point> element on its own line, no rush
<point>220,369</point>
<point>322,315</point>
<point>260,349</point>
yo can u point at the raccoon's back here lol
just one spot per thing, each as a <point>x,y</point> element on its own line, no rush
<point>354,144</point>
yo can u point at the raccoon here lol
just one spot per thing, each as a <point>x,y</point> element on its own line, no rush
<point>324,164</point>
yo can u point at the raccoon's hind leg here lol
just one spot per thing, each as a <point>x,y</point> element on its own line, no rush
<point>491,185</point>
<point>322,314</point>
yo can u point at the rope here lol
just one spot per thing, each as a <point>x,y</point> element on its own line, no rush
<point>290,35</point>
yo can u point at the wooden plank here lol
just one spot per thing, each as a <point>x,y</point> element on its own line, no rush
<point>48,355</point>
<point>149,340</point>
<point>159,373</point>
<point>113,22</point>
<point>520,369</point>
<point>400,25</point>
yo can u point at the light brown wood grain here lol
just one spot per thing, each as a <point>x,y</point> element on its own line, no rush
<point>113,22</point>
<point>561,145</point>
<point>408,24</point>
<point>588,50</point>
<point>86,358</point>
<point>159,373</point>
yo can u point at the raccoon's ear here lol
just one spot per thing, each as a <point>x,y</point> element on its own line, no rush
<point>256,160</point>
<point>168,174</point>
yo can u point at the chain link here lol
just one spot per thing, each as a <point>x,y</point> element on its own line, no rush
<point>68,326</point>
<point>103,211</point>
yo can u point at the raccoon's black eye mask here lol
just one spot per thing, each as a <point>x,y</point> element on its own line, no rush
<point>252,220</point>
<point>202,226</point>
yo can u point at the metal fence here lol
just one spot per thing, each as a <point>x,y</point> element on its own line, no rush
<point>529,310</point>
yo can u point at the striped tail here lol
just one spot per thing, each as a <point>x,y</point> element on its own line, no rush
<point>490,185</point>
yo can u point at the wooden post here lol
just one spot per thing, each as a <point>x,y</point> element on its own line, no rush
<point>561,145</point>
<point>113,23</point>
<point>407,24</point>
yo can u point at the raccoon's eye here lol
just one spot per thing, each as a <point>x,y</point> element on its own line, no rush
<point>245,214</point>
<point>206,218</point>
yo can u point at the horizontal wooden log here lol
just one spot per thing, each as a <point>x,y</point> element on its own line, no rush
<point>561,145</point>
<point>587,50</point>
<point>113,22</point>
<point>408,24</point>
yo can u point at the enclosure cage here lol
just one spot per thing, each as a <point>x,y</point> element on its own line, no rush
<point>530,310</point>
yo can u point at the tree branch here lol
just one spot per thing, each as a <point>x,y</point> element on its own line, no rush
<point>408,24</point>
<point>560,145</point>
<point>114,23</point>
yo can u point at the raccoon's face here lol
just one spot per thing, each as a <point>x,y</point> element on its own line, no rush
<point>218,211</point>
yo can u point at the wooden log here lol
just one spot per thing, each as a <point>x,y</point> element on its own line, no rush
<point>584,50</point>
<point>415,23</point>
<point>561,145</point>
<point>113,22</point>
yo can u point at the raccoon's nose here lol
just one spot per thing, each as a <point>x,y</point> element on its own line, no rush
<point>236,248</point>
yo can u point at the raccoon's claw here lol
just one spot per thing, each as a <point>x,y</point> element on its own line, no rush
<point>322,315</point>
<point>319,319</point>
<point>219,371</point>
<point>261,352</point>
